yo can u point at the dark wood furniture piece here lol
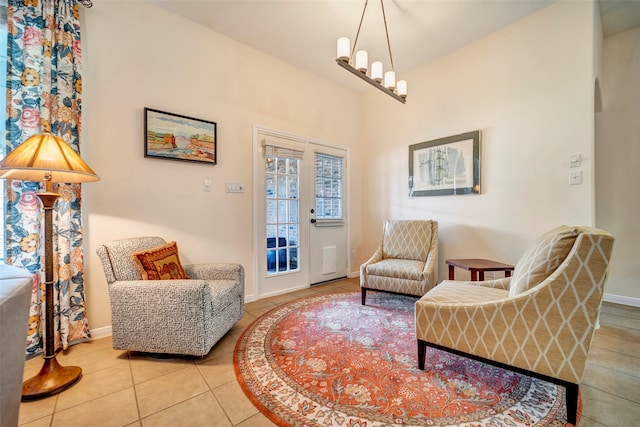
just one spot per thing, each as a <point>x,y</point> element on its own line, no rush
<point>477,266</point>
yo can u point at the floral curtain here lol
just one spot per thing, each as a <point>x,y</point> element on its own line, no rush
<point>44,88</point>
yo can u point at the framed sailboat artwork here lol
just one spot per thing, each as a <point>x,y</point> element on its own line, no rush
<point>176,137</point>
<point>445,166</point>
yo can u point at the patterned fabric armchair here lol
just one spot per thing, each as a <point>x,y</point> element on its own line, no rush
<point>185,317</point>
<point>540,321</point>
<point>406,262</point>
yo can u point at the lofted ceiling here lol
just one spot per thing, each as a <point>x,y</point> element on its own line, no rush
<point>303,33</point>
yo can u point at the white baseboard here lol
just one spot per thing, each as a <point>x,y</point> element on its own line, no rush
<point>620,299</point>
<point>101,332</point>
<point>353,274</point>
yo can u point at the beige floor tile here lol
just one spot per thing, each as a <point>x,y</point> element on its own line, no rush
<point>145,368</point>
<point>303,293</point>
<point>42,422</point>
<point>588,422</point>
<point>258,420</point>
<point>257,312</point>
<point>32,366</point>
<point>36,409</point>
<point>612,382</point>
<point>200,411</point>
<point>226,345</point>
<point>116,409</point>
<point>608,409</point>
<point>621,340</point>
<point>235,403</point>
<point>96,360</point>
<point>281,299</point>
<point>258,304</point>
<point>246,320</point>
<point>218,370</point>
<point>97,384</point>
<point>89,346</point>
<point>629,365</point>
<point>168,390</point>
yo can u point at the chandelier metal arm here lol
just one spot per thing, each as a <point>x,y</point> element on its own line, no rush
<point>355,42</point>
<point>386,30</point>
<point>366,78</point>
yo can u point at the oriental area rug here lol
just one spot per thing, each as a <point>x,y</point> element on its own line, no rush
<point>327,360</point>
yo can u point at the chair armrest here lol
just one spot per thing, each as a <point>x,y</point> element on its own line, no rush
<point>376,257</point>
<point>157,291</point>
<point>215,271</point>
<point>501,283</point>
<point>430,270</point>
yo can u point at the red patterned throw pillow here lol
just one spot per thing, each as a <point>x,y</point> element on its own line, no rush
<point>161,263</point>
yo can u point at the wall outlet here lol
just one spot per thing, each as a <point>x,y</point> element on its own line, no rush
<point>490,275</point>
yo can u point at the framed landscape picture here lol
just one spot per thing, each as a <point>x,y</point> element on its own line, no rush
<point>175,137</point>
<point>445,166</point>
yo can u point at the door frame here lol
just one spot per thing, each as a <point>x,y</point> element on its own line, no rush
<point>258,197</point>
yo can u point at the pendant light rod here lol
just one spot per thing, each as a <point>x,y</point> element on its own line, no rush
<point>356,62</point>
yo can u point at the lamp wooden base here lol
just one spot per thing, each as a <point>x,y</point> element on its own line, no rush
<point>52,379</point>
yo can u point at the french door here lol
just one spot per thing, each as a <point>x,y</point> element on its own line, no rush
<point>300,213</point>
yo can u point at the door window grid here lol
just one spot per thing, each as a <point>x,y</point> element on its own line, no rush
<point>328,180</point>
<point>283,220</point>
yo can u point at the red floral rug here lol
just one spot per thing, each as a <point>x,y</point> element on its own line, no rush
<point>330,361</point>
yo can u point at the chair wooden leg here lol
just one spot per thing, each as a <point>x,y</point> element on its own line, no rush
<point>572,403</point>
<point>422,350</point>
<point>364,294</point>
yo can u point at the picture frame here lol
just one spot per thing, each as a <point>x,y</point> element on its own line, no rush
<point>175,137</point>
<point>445,166</point>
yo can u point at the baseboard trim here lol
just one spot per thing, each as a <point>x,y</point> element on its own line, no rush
<point>101,332</point>
<point>621,299</point>
<point>353,274</point>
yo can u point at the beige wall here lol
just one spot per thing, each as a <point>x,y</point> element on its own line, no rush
<point>617,153</point>
<point>529,89</point>
<point>137,55</point>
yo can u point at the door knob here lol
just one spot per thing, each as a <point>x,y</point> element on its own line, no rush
<point>313,221</point>
<point>313,211</point>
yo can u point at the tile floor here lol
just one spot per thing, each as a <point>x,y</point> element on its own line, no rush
<point>123,389</point>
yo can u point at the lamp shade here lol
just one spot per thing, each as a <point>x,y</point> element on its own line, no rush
<point>46,155</point>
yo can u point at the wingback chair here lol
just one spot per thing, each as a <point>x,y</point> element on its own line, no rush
<point>182,317</point>
<point>540,321</point>
<point>406,261</point>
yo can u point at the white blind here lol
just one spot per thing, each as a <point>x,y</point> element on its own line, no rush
<point>282,149</point>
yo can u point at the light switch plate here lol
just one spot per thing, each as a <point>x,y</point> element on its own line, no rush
<point>575,177</point>
<point>234,187</point>
<point>575,160</point>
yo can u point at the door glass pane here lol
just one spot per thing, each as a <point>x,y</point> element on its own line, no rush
<point>329,186</point>
<point>283,215</point>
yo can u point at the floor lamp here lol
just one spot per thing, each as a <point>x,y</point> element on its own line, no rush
<point>47,158</point>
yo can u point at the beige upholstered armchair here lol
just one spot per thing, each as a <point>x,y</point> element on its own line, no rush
<point>406,261</point>
<point>540,321</point>
<point>184,316</point>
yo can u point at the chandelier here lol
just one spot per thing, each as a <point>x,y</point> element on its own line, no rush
<point>359,65</point>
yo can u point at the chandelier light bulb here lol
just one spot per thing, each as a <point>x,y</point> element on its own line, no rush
<point>376,71</point>
<point>344,50</point>
<point>401,88</point>
<point>362,61</point>
<point>390,80</point>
